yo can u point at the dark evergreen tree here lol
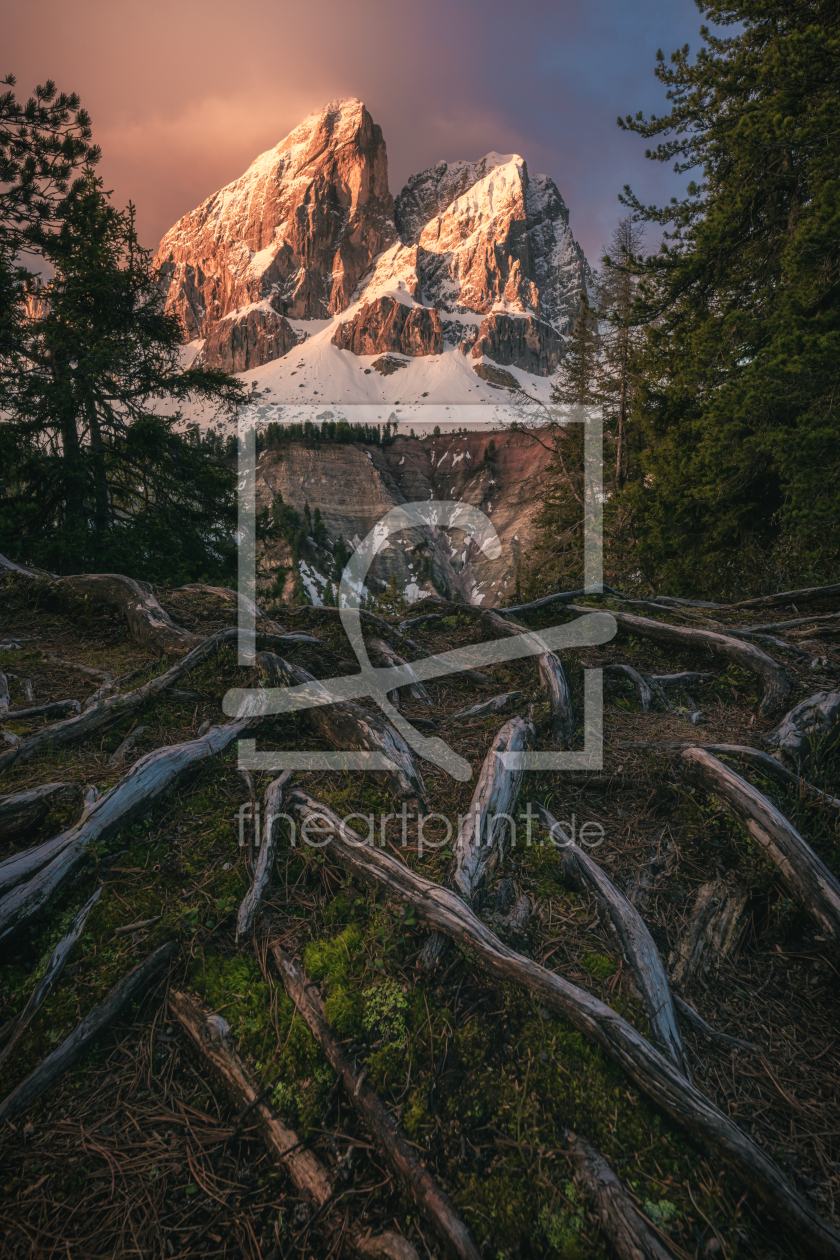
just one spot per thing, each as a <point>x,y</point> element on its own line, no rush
<point>741,360</point>
<point>94,472</point>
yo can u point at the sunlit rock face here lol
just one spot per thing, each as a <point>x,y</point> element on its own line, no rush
<point>473,255</point>
<point>298,230</point>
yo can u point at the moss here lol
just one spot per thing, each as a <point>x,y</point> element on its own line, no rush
<point>385,1013</point>
<point>598,965</point>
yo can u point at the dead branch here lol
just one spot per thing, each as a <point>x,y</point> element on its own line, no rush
<point>650,1071</point>
<point>47,867</point>
<point>629,1231</point>
<point>264,865</point>
<point>431,1200</point>
<point>773,677</point>
<point>209,1039</point>
<point>23,810</point>
<point>637,944</point>
<point>15,1029</point>
<point>125,991</point>
<point>806,878</point>
<point>234,597</point>
<point>348,725</point>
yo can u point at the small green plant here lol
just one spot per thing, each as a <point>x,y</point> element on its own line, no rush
<point>385,1010</point>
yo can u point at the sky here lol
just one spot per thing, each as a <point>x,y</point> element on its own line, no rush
<point>183,97</point>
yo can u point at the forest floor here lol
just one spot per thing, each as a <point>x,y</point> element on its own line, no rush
<point>134,1152</point>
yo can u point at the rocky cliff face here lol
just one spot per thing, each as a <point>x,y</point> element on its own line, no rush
<point>388,325</point>
<point>355,486</point>
<point>299,229</point>
<point>310,232</point>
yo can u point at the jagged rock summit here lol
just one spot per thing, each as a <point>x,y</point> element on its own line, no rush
<point>307,251</point>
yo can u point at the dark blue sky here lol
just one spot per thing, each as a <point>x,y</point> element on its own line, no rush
<point>183,97</point>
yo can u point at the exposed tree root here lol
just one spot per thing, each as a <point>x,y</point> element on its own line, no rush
<point>689,1013</point>
<point>714,932</point>
<point>553,679</point>
<point>383,655</point>
<point>234,597</point>
<point>53,709</point>
<point>807,879</point>
<point>629,1231</point>
<point>12,1032</point>
<point>125,991</point>
<point>47,867</point>
<point>348,725</point>
<point>147,621</point>
<point>264,864</point>
<point>105,714</point>
<point>209,1039</point>
<point>431,1200</point>
<point>773,677</point>
<point>23,810</point>
<point>650,1071</point>
<point>488,708</point>
<point>637,944</point>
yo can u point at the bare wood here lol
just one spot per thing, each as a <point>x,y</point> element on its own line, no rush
<point>806,878</point>
<point>629,1231</point>
<point>385,656</point>
<point>637,944</point>
<point>773,677</point>
<point>553,679</point>
<point>49,979</point>
<point>266,853</point>
<point>348,725</point>
<point>5,699</point>
<point>816,718</point>
<point>147,621</point>
<point>431,1200</point>
<point>480,841</point>
<point>805,596</point>
<point>126,746</point>
<point>22,810</point>
<point>714,932</point>
<point>53,709</point>
<point>102,716</point>
<point>47,867</point>
<point>651,1072</point>
<point>92,1026</point>
<point>488,708</point>
<point>638,681</point>
<point>209,1039</point>
<point>688,678</point>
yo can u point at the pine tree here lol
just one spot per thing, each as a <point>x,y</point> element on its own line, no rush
<point>94,473</point>
<point>576,381</point>
<point>741,359</point>
<point>620,333</point>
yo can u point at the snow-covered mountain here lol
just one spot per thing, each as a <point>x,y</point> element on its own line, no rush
<point>307,278</point>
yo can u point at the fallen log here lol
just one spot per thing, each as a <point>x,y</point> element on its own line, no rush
<point>14,1030</point>
<point>94,1024</point>
<point>348,725</point>
<point>650,1071</point>
<point>47,868</point>
<point>806,878</point>
<point>102,716</point>
<point>208,1038</point>
<point>264,865</point>
<point>629,1231</point>
<point>636,943</point>
<point>774,678</point>
<point>147,621</point>
<point>23,810</point>
<point>431,1199</point>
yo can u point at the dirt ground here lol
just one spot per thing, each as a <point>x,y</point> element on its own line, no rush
<point>134,1152</point>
